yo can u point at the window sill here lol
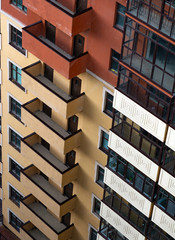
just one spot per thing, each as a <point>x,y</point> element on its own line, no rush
<point>108,114</point>
<point>15,175</point>
<point>101,184</point>
<point>19,150</point>
<point>119,28</point>
<point>21,50</point>
<point>19,119</point>
<point>17,84</point>
<point>104,150</point>
<point>17,8</point>
<point>18,205</point>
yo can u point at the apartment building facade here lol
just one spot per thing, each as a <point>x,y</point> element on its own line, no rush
<point>139,195</point>
<point>58,72</point>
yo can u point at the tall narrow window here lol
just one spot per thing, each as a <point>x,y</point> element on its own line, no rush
<point>115,61</point>
<point>15,196</point>
<point>16,39</point>
<point>104,141</point>
<point>14,168</point>
<point>15,108</point>
<point>14,140</point>
<point>15,221</point>
<point>120,17</point>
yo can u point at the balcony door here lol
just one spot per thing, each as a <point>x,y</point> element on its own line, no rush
<point>78,45</point>
<point>48,72</point>
<point>75,86</point>
<point>68,190</point>
<point>81,5</point>
<point>47,110</point>
<point>73,124</point>
<point>50,32</point>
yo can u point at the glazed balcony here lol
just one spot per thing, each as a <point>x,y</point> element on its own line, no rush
<point>40,86</point>
<point>40,217</point>
<point>157,14</point>
<point>45,127</point>
<point>67,21</point>
<point>35,41</point>
<point>49,164</point>
<point>45,192</point>
<point>29,232</point>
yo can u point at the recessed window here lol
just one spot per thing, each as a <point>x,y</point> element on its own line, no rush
<point>96,206</point>
<point>15,196</point>
<point>104,137</point>
<point>15,75</point>
<point>1,180</point>
<point>14,168</point>
<point>14,140</point>
<point>99,175</point>
<point>15,221</point>
<point>120,18</point>
<point>18,4</point>
<point>115,61</point>
<point>92,234</point>
<point>15,108</point>
<point>108,104</point>
<point>16,39</point>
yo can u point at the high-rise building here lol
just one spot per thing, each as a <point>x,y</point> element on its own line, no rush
<point>139,195</point>
<point>64,64</point>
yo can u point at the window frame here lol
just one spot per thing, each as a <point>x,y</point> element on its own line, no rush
<point>11,28</point>
<point>115,61</point>
<point>16,192</point>
<point>16,135</point>
<point>23,9</point>
<point>96,180</point>
<point>105,100</point>
<point>102,131</point>
<point>17,219</point>
<point>93,206</point>
<point>118,15</point>
<point>14,113</point>
<point>13,80</point>
<point>10,159</point>
<point>90,229</point>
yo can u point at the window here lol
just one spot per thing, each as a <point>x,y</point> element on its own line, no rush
<point>16,39</point>
<point>14,168</point>
<point>15,140</point>
<point>99,175</point>
<point>1,180</point>
<point>108,103</point>
<point>96,206</point>
<point>15,108</point>
<point>15,196</point>
<point>15,75</point>
<point>115,61</point>
<point>120,18</point>
<point>18,4</point>
<point>15,221</point>
<point>104,141</point>
<point>92,233</point>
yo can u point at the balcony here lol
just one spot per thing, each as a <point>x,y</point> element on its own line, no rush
<point>34,40</point>
<point>128,192</point>
<point>69,22</point>
<point>48,224</point>
<point>45,192</point>
<point>139,115</point>
<point>44,160</point>
<point>29,232</point>
<point>163,221</point>
<point>36,83</point>
<point>119,223</point>
<point>45,127</point>
<point>132,155</point>
<point>155,14</point>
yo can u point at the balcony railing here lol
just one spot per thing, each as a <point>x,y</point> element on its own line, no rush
<point>47,162</point>
<point>48,129</point>
<point>169,160</point>
<point>35,41</point>
<point>36,83</point>
<point>158,14</point>
<point>47,223</point>
<point>145,94</point>
<point>69,20</point>
<point>150,55</point>
<point>46,192</point>
<point>138,137</point>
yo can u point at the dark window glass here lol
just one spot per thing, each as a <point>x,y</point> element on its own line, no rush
<point>115,61</point>
<point>15,221</point>
<point>120,16</point>
<point>93,234</point>
<point>96,206</point>
<point>15,140</point>
<point>15,169</point>
<point>15,75</point>
<point>18,4</point>
<point>16,39</point>
<point>108,104</point>
<point>15,108</point>
<point>15,196</point>
<point>104,142</point>
<point>100,176</point>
